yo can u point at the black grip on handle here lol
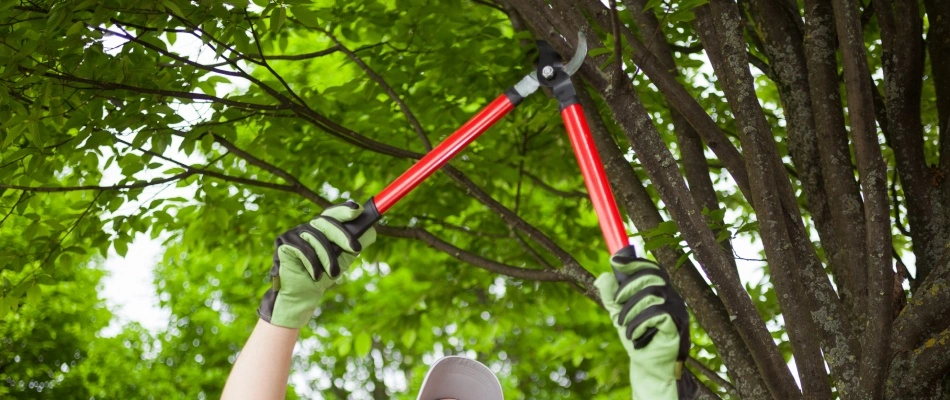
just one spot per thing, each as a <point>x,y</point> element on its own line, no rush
<point>366,220</point>
<point>625,255</point>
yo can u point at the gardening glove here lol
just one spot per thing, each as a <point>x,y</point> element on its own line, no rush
<point>307,261</point>
<point>653,325</point>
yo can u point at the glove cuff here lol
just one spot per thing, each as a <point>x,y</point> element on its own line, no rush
<point>686,387</point>
<point>266,310</point>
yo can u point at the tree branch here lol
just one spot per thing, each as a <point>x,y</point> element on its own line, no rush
<point>761,65</point>
<point>678,98</point>
<point>490,4</point>
<point>162,92</point>
<point>137,185</point>
<point>843,194</point>
<point>578,194</point>
<point>873,177</point>
<point>618,41</point>
<point>713,376</point>
<point>663,172</point>
<point>897,207</point>
<point>691,49</point>
<point>572,268</point>
<point>903,62</point>
<point>413,121</point>
<point>297,186</point>
<point>720,25</point>
<point>13,207</point>
<point>470,258</point>
<point>59,242</point>
<point>299,107</point>
<point>917,374</point>
<point>572,271</point>
<point>691,148</point>
<point>925,315</point>
<point>686,279</point>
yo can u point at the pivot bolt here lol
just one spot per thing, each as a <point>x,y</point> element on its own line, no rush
<point>547,72</point>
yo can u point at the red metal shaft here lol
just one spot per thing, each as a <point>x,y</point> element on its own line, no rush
<point>442,153</point>
<point>593,170</point>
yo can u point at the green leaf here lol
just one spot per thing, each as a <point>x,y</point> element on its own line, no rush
<point>277,18</point>
<point>523,35</point>
<point>598,51</point>
<point>121,247</point>
<point>362,344</point>
<point>408,338</point>
<point>652,4</point>
<point>657,242</point>
<point>75,28</point>
<point>664,228</point>
<point>344,346</point>
<point>306,15</point>
<point>207,142</point>
<point>171,6</point>
<point>686,5</point>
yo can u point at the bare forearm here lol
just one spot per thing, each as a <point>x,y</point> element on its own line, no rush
<point>263,366</point>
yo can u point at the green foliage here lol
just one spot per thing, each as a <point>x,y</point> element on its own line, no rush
<point>103,94</point>
<point>217,125</point>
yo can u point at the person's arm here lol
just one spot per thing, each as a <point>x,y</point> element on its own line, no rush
<point>307,261</point>
<point>653,324</point>
<point>262,368</point>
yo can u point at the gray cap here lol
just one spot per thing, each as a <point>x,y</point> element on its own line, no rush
<point>460,378</point>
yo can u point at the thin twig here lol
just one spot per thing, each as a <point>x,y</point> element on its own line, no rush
<point>897,206</point>
<point>900,262</point>
<point>263,62</point>
<point>618,42</point>
<point>137,185</point>
<point>713,376</point>
<point>691,49</point>
<point>13,207</point>
<point>532,252</point>
<point>413,121</point>
<point>59,243</point>
<point>649,44</point>
<point>760,64</point>
<point>163,92</point>
<point>460,228</point>
<point>490,4</point>
<point>540,275</point>
<point>580,194</point>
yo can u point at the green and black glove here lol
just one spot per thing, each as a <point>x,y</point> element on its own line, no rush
<point>307,261</point>
<point>653,324</point>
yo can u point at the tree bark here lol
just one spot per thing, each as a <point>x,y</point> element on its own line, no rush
<point>782,37</point>
<point>686,279</point>
<point>629,112</point>
<point>873,174</point>
<point>677,97</point>
<point>903,59</point>
<point>917,374</point>
<point>692,151</point>
<point>846,204</point>
<point>719,26</point>
<point>938,46</point>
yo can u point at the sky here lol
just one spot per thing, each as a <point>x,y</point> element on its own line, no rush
<point>129,289</point>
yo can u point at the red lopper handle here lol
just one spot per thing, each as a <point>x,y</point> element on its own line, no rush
<point>597,186</point>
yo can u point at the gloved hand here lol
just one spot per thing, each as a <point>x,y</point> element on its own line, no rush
<point>653,325</point>
<point>306,263</point>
